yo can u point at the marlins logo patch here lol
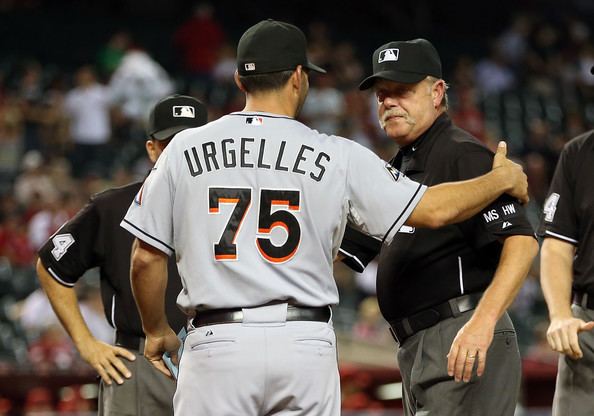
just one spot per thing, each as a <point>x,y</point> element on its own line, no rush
<point>388,55</point>
<point>138,197</point>
<point>550,207</point>
<point>395,173</point>
<point>185,111</point>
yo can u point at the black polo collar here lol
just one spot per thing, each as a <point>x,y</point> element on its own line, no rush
<point>416,152</point>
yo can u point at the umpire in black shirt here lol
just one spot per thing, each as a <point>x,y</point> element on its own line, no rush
<point>567,275</point>
<point>445,291</point>
<point>94,238</point>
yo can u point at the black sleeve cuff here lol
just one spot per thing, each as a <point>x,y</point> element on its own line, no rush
<point>358,249</point>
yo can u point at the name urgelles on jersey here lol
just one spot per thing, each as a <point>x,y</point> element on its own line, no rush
<point>248,152</point>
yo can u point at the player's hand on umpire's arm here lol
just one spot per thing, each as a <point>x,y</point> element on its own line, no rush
<point>562,335</point>
<point>451,202</point>
<point>157,344</point>
<point>513,171</point>
<point>470,347</point>
<point>106,359</point>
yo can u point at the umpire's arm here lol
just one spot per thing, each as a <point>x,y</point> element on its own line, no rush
<point>148,278</point>
<point>104,358</point>
<point>452,202</point>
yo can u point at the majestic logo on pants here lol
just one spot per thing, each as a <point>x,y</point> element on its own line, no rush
<point>388,55</point>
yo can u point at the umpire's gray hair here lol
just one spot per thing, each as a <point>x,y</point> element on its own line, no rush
<point>445,103</point>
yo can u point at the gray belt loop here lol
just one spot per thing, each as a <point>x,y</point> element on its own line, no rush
<point>584,301</point>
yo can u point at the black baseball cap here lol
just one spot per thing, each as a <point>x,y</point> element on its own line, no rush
<point>173,114</point>
<point>407,61</point>
<point>272,46</point>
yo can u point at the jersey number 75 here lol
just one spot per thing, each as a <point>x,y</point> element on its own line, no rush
<point>285,201</point>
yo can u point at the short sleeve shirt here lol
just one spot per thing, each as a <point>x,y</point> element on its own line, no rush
<point>568,213</point>
<point>424,267</point>
<point>255,205</point>
<point>93,238</point>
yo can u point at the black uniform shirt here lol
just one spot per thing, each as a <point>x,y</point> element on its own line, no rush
<point>569,209</point>
<point>423,267</point>
<point>94,238</point>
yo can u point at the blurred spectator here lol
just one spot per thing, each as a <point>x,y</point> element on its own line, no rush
<point>223,87</point>
<point>319,47</point>
<point>347,68</point>
<point>45,222</point>
<point>14,241</point>
<point>493,74</point>
<point>30,94</point>
<point>111,54</point>
<point>324,106</point>
<point>88,107</point>
<point>39,402</point>
<point>514,41</point>
<point>33,184</point>
<point>370,325</point>
<point>11,140</point>
<point>135,86</point>
<point>467,115</point>
<point>36,314</point>
<point>198,40</point>
<point>463,77</point>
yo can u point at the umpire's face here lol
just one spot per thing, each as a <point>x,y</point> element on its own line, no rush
<point>406,111</point>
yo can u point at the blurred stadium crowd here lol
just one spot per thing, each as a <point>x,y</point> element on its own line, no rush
<point>66,134</point>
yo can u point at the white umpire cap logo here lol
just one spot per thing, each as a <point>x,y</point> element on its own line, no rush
<point>390,54</point>
<point>173,114</point>
<point>183,111</point>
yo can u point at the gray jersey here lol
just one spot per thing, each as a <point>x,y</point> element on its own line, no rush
<point>254,205</point>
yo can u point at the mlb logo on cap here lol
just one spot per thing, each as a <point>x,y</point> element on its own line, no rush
<point>388,55</point>
<point>183,111</point>
<point>250,67</point>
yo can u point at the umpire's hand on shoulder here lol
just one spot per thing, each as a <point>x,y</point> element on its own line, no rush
<point>513,172</point>
<point>562,335</point>
<point>105,359</point>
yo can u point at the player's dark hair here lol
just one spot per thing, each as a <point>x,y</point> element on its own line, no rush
<point>265,82</point>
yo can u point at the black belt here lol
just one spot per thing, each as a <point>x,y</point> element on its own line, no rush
<point>583,299</point>
<point>128,341</point>
<point>401,329</point>
<point>230,316</point>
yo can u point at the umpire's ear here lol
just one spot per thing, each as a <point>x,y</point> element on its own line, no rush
<point>151,150</point>
<point>238,82</point>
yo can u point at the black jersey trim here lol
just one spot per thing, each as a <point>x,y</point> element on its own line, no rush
<point>148,235</point>
<point>58,279</point>
<point>352,256</point>
<point>561,237</point>
<point>261,115</point>
<point>402,213</point>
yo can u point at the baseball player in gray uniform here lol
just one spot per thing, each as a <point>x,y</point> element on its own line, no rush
<point>254,205</point>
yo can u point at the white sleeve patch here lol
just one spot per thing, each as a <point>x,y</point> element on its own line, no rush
<point>61,244</point>
<point>550,207</point>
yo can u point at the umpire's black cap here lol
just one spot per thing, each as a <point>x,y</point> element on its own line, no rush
<point>407,61</point>
<point>173,114</point>
<point>272,46</point>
